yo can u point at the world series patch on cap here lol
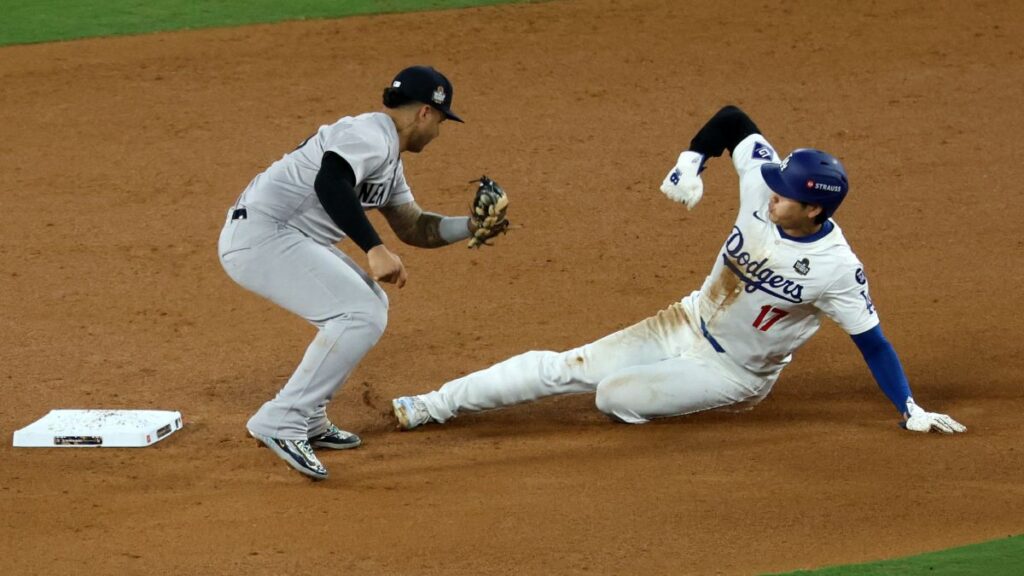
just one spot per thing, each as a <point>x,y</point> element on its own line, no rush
<point>425,84</point>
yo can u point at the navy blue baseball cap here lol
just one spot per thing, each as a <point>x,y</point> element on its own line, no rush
<point>810,176</point>
<point>427,85</point>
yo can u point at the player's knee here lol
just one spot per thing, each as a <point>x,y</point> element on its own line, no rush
<point>613,399</point>
<point>553,370</point>
<point>378,316</point>
<point>374,320</point>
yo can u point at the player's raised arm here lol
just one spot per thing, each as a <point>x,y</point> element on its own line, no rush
<point>725,130</point>
<point>847,301</point>
<point>889,375</point>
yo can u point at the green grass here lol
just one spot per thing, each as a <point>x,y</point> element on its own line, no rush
<point>29,21</point>
<point>1003,557</point>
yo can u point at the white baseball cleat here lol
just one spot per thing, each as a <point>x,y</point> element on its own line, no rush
<point>410,412</point>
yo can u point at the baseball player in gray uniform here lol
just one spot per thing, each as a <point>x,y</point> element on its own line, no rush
<point>279,242</point>
<point>783,266</point>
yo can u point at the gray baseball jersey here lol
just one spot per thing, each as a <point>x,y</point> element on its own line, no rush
<point>283,249</point>
<point>368,142</point>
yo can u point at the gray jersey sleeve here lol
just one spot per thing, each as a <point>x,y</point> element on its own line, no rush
<point>365,151</point>
<point>401,193</point>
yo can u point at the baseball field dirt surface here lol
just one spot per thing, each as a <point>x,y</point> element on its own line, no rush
<point>120,156</point>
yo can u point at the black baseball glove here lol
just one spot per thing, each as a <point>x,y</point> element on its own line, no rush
<point>488,212</point>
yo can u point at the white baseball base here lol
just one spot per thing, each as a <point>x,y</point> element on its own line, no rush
<point>98,429</point>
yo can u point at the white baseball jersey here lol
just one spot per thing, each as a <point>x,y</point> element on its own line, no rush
<point>368,142</point>
<point>767,291</point>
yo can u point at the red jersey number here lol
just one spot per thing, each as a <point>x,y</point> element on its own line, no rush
<point>768,317</point>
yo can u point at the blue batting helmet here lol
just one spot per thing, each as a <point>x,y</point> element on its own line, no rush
<point>810,176</point>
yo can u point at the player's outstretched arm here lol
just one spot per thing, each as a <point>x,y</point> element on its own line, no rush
<point>725,130</point>
<point>487,219</point>
<point>889,375</point>
<point>426,229</point>
<point>422,229</point>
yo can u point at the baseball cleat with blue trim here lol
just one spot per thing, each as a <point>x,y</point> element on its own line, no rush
<point>336,439</point>
<point>296,453</point>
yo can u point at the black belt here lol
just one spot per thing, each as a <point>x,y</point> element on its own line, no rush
<point>711,339</point>
<point>239,214</point>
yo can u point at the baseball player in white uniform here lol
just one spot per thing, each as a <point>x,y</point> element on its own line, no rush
<point>279,242</point>
<point>783,266</point>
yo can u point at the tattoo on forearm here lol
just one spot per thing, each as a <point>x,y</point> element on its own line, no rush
<point>428,231</point>
<point>424,232</point>
<point>415,227</point>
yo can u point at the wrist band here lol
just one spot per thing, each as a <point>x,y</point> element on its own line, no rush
<point>454,228</point>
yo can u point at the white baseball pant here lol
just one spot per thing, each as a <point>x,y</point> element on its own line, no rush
<point>656,368</point>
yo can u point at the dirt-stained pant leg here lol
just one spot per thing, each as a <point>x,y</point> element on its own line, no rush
<point>325,287</point>
<point>698,380</point>
<point>537,374</point>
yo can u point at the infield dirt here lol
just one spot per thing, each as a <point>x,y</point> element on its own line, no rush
<point>120,156</point>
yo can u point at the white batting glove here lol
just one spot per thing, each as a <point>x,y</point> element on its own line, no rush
<point>921,421</point>
<point>683,183</point>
